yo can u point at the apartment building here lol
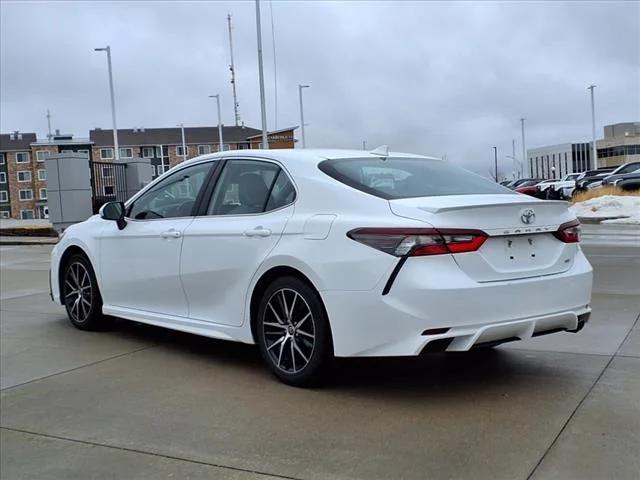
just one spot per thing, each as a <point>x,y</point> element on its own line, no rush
<point>19,170</point>
<point>163,147</point>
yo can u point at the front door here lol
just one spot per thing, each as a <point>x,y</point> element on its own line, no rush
<point>223,249</point>
<point>140,265</point>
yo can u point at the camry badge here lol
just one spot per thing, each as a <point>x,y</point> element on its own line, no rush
<point>528,216</point>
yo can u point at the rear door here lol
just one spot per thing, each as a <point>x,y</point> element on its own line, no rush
<point>521,243</point>
<point>248,209</point>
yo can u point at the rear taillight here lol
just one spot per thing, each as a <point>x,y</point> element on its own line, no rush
<point>415,242</point>
<point>568,232</point>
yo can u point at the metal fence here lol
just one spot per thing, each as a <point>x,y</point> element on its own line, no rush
<point>108,183</point>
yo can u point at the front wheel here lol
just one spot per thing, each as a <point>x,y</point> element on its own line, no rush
<point>293,332</point>
<point>80,294</point>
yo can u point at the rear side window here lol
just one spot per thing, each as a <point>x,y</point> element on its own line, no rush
<point>395,178</point>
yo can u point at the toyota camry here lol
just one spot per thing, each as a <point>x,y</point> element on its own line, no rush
<point>316,254</point>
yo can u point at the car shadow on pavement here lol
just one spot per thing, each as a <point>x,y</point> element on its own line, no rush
<point>461,373</point>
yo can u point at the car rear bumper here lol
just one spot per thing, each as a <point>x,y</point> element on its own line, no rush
<point>440,305</point>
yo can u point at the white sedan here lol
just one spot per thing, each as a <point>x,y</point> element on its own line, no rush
<point>315,254</point>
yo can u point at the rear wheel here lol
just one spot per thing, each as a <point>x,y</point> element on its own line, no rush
<point>293,332</point>
<point>80,294</point>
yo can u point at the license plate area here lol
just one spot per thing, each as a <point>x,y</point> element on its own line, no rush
<point>521,250</point>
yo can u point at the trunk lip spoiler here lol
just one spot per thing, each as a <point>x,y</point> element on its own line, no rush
<point>429,209</point>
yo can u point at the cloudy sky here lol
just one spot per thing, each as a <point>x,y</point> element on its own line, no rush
<point>427,77</point>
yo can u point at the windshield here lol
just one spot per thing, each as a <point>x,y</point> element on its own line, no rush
<point>395,178</point>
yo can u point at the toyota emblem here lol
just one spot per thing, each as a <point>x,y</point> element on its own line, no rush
<point>528,216</point>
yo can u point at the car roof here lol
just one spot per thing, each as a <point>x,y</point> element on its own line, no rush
<point>307,155</point>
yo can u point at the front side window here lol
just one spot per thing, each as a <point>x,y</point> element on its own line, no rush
<point>106,153</point>
<point>24,176</point>
<point>174,196</point>
<point>22,157</point>
<point>249,187</point>
<point>394,178</point>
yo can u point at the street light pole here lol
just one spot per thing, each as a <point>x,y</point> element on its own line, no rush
<point>113,101</point>
<point>300,87</point>
<point>524,149</point>
<point>217,97</point>
<point>263,108</point>
<point>184,144</point>
<point>594,151</point>
<point>495,156</point>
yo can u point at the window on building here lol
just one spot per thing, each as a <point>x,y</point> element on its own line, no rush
<point>180,151</point>
<point>27,214</point>
<point>148,152</point>
<point>4,196</point>
<point>3,177</point>
<point>41,155</point>
<point>43,194</point>
<point>204,149</point>
<point>22,157</point>
<point>243,146</point>
<point>84,151</point>
<point>107,172</point>
<point>4,214</point>
<point>24,176</point>
<point>108,190</point>
<point>26,194</point>
<point>106,153</point>
<point>153,170</point>
<point>126,153</point>
<point>42,175</point>
<point>2,159</point>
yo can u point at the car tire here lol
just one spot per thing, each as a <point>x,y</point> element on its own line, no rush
<point>80,294</point>
<point>293,332</point>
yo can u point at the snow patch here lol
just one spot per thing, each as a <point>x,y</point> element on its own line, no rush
<point>624,209</point>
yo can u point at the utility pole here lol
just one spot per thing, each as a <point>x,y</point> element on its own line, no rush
<point>184,144</point>
<point>233,75</point>
<point>513,150</point>
<point>113,101</point>
<point>524,149</point>
<point>220,143</point>
<point>300,87</point>
<point>594,151</point>
<point>364,144</point>
<point>49,136</point>
<point>275,69</point>
<point>495,156</point>
<point>265,141</point>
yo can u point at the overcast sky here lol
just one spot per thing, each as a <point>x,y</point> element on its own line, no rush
<point>425,77</point>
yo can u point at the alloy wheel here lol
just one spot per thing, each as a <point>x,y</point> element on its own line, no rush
<point>78,292</point>
<point>288,329</point>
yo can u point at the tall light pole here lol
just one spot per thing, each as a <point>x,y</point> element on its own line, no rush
<point>300,87</point>
<point>217,97</point>
<point>113,101</point>
<point>184,144</point>
<point>513,153</point>
<point>263,108</point>
<point>524,148</point>
<point>495,160</point>
<point>594,151</point>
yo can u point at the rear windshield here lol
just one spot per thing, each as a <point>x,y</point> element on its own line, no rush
<point>394,178</point>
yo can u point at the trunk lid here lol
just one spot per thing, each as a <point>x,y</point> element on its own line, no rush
<point>514,249</point>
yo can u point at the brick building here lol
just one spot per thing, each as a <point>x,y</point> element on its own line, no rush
<point>163,146</point>
<point>19,172</point>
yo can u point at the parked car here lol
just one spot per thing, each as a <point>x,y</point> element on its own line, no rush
<point>592,176</point>
<point>630,183</point>
<point>521,181</point>
<point>309,255</point>
<point>531,188</point>
<point>557,188</point>
<point>621,173</point>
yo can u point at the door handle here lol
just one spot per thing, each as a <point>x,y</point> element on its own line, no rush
<point>171,234</point>
<point>257,232</point>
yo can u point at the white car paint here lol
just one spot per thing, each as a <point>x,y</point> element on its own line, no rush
<point>522,281</point>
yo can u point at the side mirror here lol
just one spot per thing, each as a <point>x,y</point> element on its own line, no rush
<point>114,211</point>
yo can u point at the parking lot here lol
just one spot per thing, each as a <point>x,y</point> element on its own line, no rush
<point>141,402</point>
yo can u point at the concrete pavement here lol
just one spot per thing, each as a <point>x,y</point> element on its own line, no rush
<point>142,402</point>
